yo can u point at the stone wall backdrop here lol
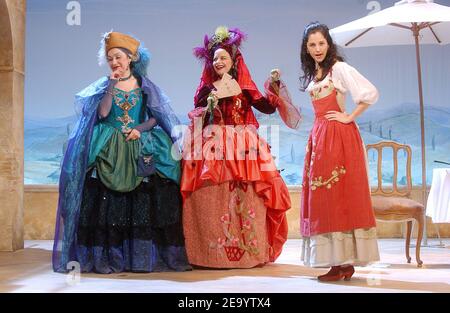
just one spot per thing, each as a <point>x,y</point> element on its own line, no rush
<point>12,47</point>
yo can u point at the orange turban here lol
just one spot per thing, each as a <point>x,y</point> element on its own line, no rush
<point>119,40</point>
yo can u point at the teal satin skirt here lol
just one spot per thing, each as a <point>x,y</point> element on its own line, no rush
<point>116,160</point>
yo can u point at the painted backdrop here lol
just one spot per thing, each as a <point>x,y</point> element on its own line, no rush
<point>62,40</point>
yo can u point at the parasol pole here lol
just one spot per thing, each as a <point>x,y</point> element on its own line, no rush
<point>416,31</point>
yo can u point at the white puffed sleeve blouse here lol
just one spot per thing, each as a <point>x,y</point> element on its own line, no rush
<point>346,78</point>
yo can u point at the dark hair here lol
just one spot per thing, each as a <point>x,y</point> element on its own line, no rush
<point>307,62</point>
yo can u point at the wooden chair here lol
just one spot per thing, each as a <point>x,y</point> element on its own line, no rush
<point>390,204</point>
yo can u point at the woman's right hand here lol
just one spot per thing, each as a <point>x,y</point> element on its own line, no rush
<point>212,99</point>
<point>214,94</point>
<point>116,74</point>
<point>114,78</point>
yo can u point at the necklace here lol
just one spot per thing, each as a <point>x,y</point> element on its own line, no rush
<point>125,78</point>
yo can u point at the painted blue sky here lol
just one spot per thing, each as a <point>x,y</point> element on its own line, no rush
<point>61,59</point>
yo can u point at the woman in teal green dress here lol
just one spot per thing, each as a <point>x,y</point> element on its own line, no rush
<point>120,205</point>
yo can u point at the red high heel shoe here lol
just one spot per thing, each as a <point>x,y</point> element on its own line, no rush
<point>348,272</point>
<point>336,273</point>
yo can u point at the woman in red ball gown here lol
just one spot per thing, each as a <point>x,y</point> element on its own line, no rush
<point>234,197</point>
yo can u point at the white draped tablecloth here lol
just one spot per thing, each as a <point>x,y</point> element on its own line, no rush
<point>438,204</point>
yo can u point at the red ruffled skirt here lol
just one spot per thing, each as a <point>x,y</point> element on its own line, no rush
<point>234,199</point>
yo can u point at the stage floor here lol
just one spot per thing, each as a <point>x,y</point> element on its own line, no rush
<point>29,270</point>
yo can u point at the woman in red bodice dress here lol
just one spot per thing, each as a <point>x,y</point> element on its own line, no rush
<point>337,219</point>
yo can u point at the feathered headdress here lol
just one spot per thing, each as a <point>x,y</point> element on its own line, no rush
<point>140,59</point>
<point>222,38</point>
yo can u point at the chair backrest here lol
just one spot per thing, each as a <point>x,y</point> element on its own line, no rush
<point>393,190</point>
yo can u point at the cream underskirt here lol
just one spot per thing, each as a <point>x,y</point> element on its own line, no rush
<point>357,247</point>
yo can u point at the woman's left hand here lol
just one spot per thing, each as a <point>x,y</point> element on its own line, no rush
<point>275,75</point>
<point>133,135</point>
<point>339,117</point>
